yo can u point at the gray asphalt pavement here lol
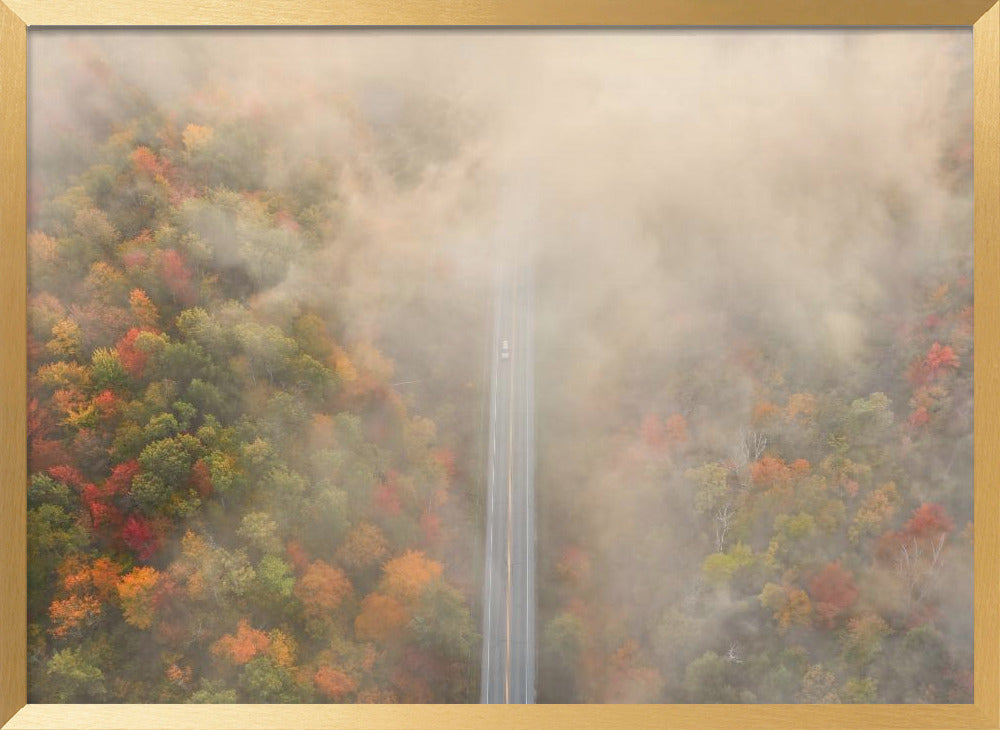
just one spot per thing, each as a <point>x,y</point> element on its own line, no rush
<point>508,669</point>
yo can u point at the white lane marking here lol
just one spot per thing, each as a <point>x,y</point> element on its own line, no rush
<point>510,474</point>
<point>528,435</point>
<point>491,484</point>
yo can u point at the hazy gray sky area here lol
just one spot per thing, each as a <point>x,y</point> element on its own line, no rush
<point>685,197</point>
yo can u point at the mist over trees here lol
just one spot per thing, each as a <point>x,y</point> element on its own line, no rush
<point>261,271</point>
<point>755,385</point>
<point>249,478</point>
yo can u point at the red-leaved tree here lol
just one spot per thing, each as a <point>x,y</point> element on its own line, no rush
<point>833,592</point>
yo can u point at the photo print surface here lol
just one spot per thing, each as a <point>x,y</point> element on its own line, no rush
<point>464,366</point>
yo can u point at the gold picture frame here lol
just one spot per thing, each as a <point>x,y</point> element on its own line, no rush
<point>18,16</point>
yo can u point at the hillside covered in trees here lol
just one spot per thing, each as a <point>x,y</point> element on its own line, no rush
<point>249,480</point>
<point>261,270</point>
<point>755,456</point>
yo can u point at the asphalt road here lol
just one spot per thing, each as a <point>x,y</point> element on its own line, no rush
<point>508,670</point>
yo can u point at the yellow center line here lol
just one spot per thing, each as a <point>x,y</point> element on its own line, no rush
<point>510,471</point>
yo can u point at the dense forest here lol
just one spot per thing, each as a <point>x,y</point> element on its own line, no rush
<point>261,277</point>
<point>826,556</point>
<point>245,484</point>
<point>755,454</point>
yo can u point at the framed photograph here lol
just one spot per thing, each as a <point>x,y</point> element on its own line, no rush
<point>500,365</point>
